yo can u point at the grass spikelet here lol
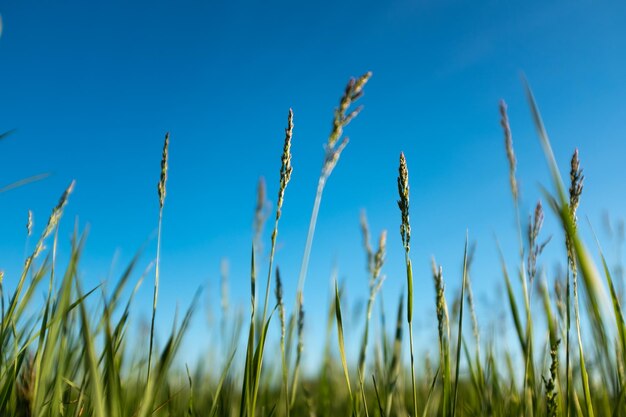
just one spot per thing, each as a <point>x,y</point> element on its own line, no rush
<point>551,383</point>
<point>405,233</point>
<point>403,204</point>
<point>29,224</point>
<point>535,248</point>
<point>260,213</point>
<point>53,220</point>
<point>508,145</point>
<point>163,179</point>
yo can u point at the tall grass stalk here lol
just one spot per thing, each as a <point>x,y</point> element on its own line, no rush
<point>375,262</point>
<point>333,149</point>
<point>161,189</point>
<point>405,233</point>
<point>527,345</point>
<point>460,331</point>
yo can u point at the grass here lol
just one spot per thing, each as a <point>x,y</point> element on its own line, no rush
<point>71,354</point>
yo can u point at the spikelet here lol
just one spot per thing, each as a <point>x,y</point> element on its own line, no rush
<point>343,116</point>
<point>535,248</point>
<point>300,331</point>
<point>280,304</point>
<point>552,403</point>
<point>403,202</point>
<point>260,212</point>
<point>379,256</point>
<point>285,167</point>
<point>440,301</point>
<point>29,223</point>
<point>53,220</point>
<point>365,232</point>
<point>575,191</point>
<point>353,91</point>
<point>508,144</point>
<point>163,179</point>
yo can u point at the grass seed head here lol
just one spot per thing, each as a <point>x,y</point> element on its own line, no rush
<point>575,191</point>
<point>29,223</point>
<point>576,184</point>
<point>440,300</point>
<point>163,180</point>
<point>53,220</point>
<point>280,303</point>
<point>403,202</point>
<point>352,92</point>
<point>535,248</point>
<point>552,403</point>
<point>508,144</point>
<point>260,210</point>
<point>285,167</point>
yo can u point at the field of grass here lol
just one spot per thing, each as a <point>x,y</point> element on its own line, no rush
<point>71,354</point>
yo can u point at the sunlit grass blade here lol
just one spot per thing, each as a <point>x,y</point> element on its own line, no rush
<point>218,389</point>
<point>430,392</point>
<point>342,347</point>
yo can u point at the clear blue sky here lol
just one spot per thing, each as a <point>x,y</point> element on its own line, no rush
<point>91,88</point>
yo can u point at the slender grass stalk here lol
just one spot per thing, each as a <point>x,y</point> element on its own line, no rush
<point>528,354</point>
<point>444,339</point>
<point>353,91</point>
<point>375,262</point>
<point>333,149</point>
<point>460,332</point>
<point>255,368</point>
<point>281,315</point>
<point>394,365</point>
<point>405,233</point>
<point>161,192</point>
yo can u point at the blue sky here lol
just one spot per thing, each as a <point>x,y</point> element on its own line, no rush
<point>91,88</point>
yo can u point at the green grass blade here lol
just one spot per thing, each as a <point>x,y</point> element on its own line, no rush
<point>460,332</point>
